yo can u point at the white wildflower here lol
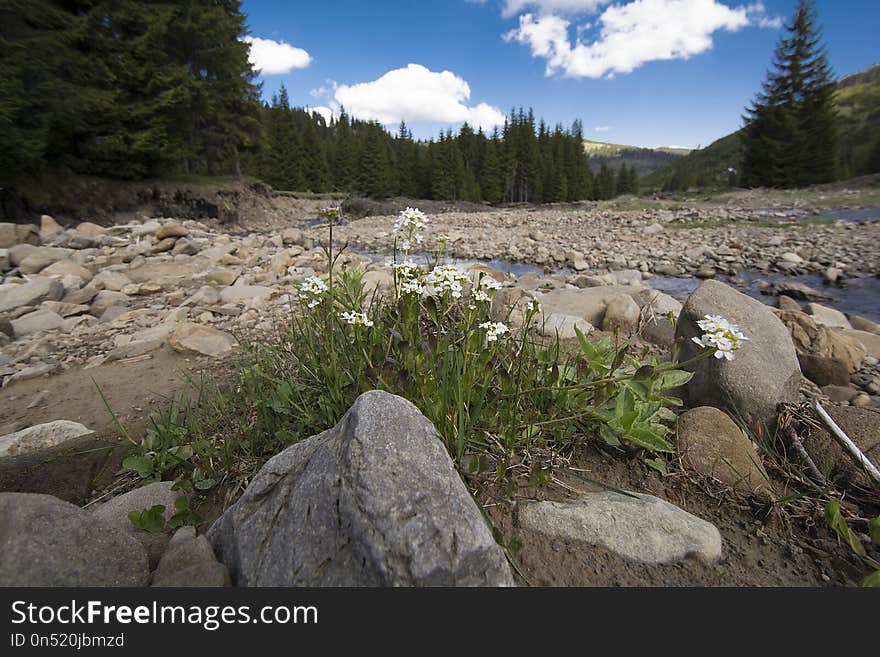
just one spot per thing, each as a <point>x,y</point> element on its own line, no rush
<point>489,283</point>
<point>406,270</point>
<point>409,221</point>
<point>412,287</point>
<point>534,305</point>
<point>356,318</point>
<point>493,330</point>
<point>719,334</point>
<point>311,290</point>
<point>447,279</point>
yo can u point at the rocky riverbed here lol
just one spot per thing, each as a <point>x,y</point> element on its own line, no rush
<point>128,307</point>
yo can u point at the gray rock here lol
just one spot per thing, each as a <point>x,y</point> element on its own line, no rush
<point>189,561</point>
<point>48,227</point>
<point>89,229</point>
<point>30,293</point>
<point>41,436</point>
<point>115,512</point>
<point>765,370</point>
<point>39,320</point>
<point>49,542</point>
<point>622,313</point>
<point>205,340</point>
<point>824,371</point>
<point>244,293</point>
<point>107,298</point>
<point>787,303</point>
<point>563,326</point>
<point>712,444</point>
<point>171,229</point>
<point>111,280</point>
<point>587,303</point>
<point>134,348</point>
<point>374,501</point>
<point>863,324</point>
<point>635,526</point>
<point>828,316</point>
<point>12,234</point>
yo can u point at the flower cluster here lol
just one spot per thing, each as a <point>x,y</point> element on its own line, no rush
<point>332,212</point>
<point>720,335</point>
<point>484,288</point>
<point>493,330</point>
<point>534,305</point>
<point>311,290</point>
<point>356,318</point>
<point>409,222</point>
<point>447,279</point>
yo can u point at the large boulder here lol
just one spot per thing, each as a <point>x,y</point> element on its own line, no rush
<point>712,444</point>
<point>587,303</point>
<point>41,436</point>
<point>374,501</point>
<point>765,369</point>
<point>49,542</point>
<point>30,294</point>
<point>633,525</point>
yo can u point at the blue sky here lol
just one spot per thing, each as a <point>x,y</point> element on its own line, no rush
<point>642,72</point>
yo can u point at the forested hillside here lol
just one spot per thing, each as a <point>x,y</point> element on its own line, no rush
<point>857,99</point>
<point>134,90</point>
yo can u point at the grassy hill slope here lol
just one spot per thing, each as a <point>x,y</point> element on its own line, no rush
<point>858,105</point>
<point>645,160</point>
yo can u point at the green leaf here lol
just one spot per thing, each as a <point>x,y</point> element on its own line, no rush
<point>874,530</point>
<point>151,520</point>
<point>872,580</point>
<point>658,464</point>
<point>205,484</point>
<point>837,522</point>
<point>608,435</point>
<point>142,465</point>
<point>671,379</point>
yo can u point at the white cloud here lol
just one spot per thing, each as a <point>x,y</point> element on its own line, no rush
<point>275,57</point>
<point>325,90</point>
<point>602,128</point>
<point>322,110</point>
<point>630,35</point>
<point>758,15</point>
<point>513,7</point>
<point>416,93</point>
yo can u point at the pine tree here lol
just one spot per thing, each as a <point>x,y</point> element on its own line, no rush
<point>374,169</point>
<point>344,155</point>
<point>491,173</point>
<point>790,137</point>
<point>605,183</point>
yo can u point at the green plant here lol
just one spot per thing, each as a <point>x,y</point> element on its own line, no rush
<point>438,338</point>
<point>838,524</point>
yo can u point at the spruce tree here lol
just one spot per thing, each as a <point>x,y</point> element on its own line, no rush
<point>790,136</point>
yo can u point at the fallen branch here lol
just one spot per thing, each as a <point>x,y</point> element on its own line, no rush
<point>848,445</point>
<point>794,443</point>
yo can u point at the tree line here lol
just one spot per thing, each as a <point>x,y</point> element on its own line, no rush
<point>125,88</point>
<point>139,89</point>
<point>518,162</point>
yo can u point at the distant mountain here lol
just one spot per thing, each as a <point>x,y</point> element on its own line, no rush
<point>858,105</point>
<point>645,160</point>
